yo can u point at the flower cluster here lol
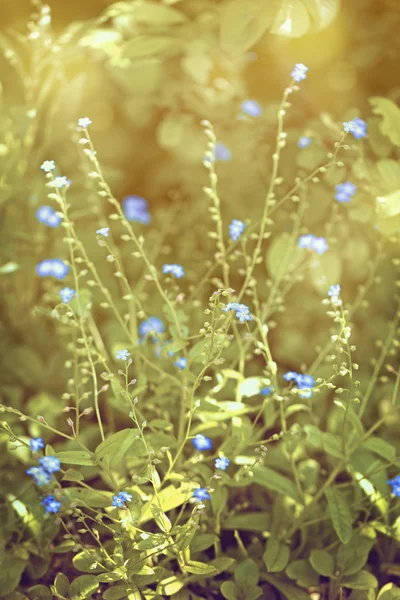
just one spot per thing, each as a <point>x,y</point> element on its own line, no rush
<point>122,354</point>
<point>303,382</point>
<point>236,229</point>
<point>395,483</point>
<point>119,499</point>
<point>299,72</point>
<point>52,267</point>
<point>152,326</point>
<point>42,475</point>
<point>48,216</point>
<point>345,191</point>
<point>66,294</point>
<point>357,127</point>
<point>175,270</point>
<point>334,293</point>
<point>241,310</point>
<point>310,241</point>
<point>136,209</point>
<point>251,108</point>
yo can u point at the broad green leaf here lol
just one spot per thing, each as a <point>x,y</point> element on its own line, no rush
<point>93,498</point>
<point>76,457</point>
<point>10,573</point>
<point>201,541</point>
<point>89,561</point>
<point>390,591</point>
<point>389,170</point>
<point>340,513</point>
<point>174,346</point>
<point>223,563</point>
<point>169,586</point>
<point>324,271</point>
<point>116,592</point>
<point>40,592</point>
<point>72,475</point>
<point>390,113</point>
<point>289,590</point>
<point>198,568</point>
<point>276,556</point>
<point>61,584</point>
<point>324,440</point>
<point>160,518</point>
<point>82,587</point>
<point>351,557</point>
<point>274,481</point>
<point>244,23</point>
<point>360,581</point>
<point>170,497</point>
<point>283,255</point>
<point>303,573</point>
<point>229,590</point>
<point>250,521</point>
<point>322,562</point>
<point>246,573</point>
<point>389,205</point>
<point>115,446</point>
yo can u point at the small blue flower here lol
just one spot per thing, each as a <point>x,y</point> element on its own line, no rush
<point>395,483</point>
<point>48,166</point>
<point>54,267</point>
<point>266,391</point>
<point>290,376</point>
<point>119,499</point>
<point>104,231</point>
<point>241,310</point>
<point>222,152</point>
<point>136,208</point>
<point>201,442</point>
<point>51,464</point>
<point>345,191</point>
<point>67,294</point>
<point>152,326</point>
<point>48,216</point>
<point>84,122</point>
<point>303,382</point>
<point>310,241</point>
<point>357,127</point>
<point>334,290</point>
<point>201,494</point>
<point>36,444</point>
<point>236,229</point>
<point>251,108</point>
<point>299,72</point>
<point>181,363</point>
<point>51,504</point>
<point>59,182</point>
<point>304,141</point>
<point>222,463</point>
<point>40,475</point>
<point>122,354</point>
<point>176,270</point>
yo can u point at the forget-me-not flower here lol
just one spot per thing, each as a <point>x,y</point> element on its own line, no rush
<point>59,182</point>
<point>241,310</point>
<point>66,294</point>
<point>357,127</point>
<point>345,191</point>
<point>222,463</point>
<point>51,504</point>
<point>119,499</point>
<point>52,267</point>
<point>48,166</point>
<point>152,326</point>
<point>122,354</point>
<point>251,108</point>
<point>236,229</point>
<point>312,242</point>
<point>175,270</point>
<point>299,72</point>
<point>266,391</point>
<point>201,494</point>
<point>136,208</point>
<point>181,363</point>
<point>304,141</point>
<point>84,122</point>
<point>104,231</point>
<point>40,475</point>
<point>201,442</point>
<point>51,464</point>
<point>36,444</point>
<point>395,483</point>
<point>48,216</point>
<point>303,382</point>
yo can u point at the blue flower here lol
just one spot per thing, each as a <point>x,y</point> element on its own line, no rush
<point>310,241</point>
<point>201,494</point>
<point>67,294</point>
<point>334,290</point>
<point>40,475</point>
<point>51,504</point>
<point>222,152</point>
<point>176,270</point>
<point>104,231</point>
<point>136,208</point>
<point>304,141</point>
<point>303,382</point>
<point>119,499</point>
<point>266,391</point>
<point>51,464</point>
<point>54,267</point>
<point>357,127</point>
<point>395,483</point>
<point>48,216</point>
<point>345,191</point>
<point>241,310</point>
<point>251,108</point>
<point>84,122</point>
<point>299,72</point>
<point>290,376</point>
<point>59,182</point>
<point>201,442</point>
<point>181,363</point>
<point>36,444</point>
<point>222,463</point>
<point>151,326</point>
<point>48,166</point>
<point>236,229</point>
<point>122,354</point>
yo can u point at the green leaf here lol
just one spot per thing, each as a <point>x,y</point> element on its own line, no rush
<point>390,591</point>
<point>10,573</point>
<point>290,591</point>
<point>276,556</point>
<point>169,586</point>
<point>61,584</point>
<point>223,563</point>
<point>247,573</point>
<point>160,518</point>
<point>390,113</point>
<point>360,581</point>
<point>39,592</point>
<point>116,592</point>
<point>244,23</point>
<point>352,557</point>
<point>322,562</point>
<point>72,475</point>
<point>170,498</point>
<point>340,514</point>
<point>229,590</point>
<point>115,446</point>
<point>199,568</point>
<point>381,447</point>
<point>274,481</point>
<point>83,586</point>
<point>174,346</point>
<point>88,560</point>
<point>249,521</point>
<point>325,271</point>
<point>76,457</point>
<point>302,572</point>
<point>283,255</point>
<point>90,497</point>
